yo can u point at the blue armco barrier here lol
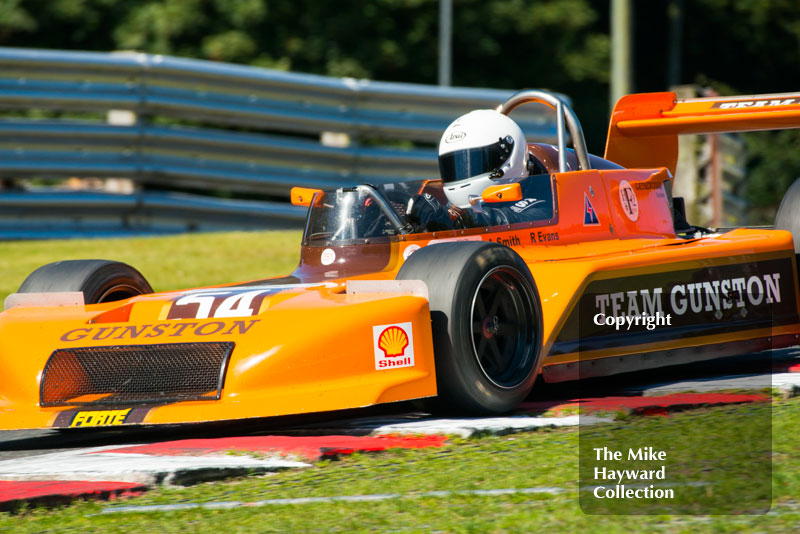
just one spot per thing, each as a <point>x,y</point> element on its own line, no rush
<point>206,127</point>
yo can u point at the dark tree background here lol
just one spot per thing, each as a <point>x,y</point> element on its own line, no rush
<point>733,46</point>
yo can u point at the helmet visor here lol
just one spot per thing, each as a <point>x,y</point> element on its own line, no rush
<point>469,162</point>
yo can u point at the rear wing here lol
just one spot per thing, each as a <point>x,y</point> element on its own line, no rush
<point>644,127</point>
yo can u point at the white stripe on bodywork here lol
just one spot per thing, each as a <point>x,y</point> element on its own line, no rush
<point>265,287</point>
<point>411,287</point>
<point>56,298</point>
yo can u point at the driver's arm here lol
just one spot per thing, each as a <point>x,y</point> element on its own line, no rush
<point>527,210</point>
<point>428,215</point>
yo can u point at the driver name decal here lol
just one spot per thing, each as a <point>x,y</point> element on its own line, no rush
<point>511,241</point>
<point>394,346</point>
<point>540,236</point>
<point>544,236</point>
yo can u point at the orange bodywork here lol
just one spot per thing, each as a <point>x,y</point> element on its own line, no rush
<point>644,127</point>
<point>289,357</point>
<point>305,344</point>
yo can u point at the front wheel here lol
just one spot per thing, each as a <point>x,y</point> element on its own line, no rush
<point>487,324</point>
<point>98,280</point>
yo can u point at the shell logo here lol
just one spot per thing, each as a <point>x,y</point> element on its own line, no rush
<point>393,341</point>
<point>393,345</point>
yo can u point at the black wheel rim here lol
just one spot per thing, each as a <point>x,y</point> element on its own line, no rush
<point>118,292</point>
<point>502,327</point>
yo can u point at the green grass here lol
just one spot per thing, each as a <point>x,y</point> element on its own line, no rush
<point>536,459</point>
<point>172,262</point>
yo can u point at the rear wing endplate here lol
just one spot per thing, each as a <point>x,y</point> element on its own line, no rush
<point>644,128</point>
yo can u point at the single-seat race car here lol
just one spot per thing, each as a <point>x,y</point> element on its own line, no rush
<point>380,311</point>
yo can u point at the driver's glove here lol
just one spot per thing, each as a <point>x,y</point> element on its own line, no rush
<point>460,217</point>
<point>428,215</point>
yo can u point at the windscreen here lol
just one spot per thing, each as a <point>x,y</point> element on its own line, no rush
<point>359,213</point>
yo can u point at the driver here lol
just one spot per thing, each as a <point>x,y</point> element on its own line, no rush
<point>478,150</point>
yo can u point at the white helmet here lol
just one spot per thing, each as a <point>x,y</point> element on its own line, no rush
<point>480,149</point>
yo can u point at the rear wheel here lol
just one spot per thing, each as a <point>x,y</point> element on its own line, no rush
<point>486,321</point>
<point>98,280</point>
<point>788,216</point>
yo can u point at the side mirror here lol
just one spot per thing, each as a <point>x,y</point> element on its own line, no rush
<point>502,193</point>
<point>302,196</point>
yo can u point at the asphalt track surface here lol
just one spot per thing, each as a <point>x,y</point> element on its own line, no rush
<point>755,368</point>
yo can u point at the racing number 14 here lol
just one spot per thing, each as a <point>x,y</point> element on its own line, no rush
<point>236,305</point>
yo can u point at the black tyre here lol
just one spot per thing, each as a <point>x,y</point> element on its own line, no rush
<point>487,324</point>
<point>788,216</point>
<point>99,280</point>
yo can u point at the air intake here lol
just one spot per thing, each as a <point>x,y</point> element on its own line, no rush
<point>135,374</point>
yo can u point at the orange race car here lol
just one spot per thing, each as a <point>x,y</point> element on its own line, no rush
<point>585,267</point>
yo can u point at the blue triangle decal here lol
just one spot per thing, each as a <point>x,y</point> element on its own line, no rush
<point>589,215</point>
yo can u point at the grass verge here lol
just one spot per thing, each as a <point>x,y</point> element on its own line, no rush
<point>546,458</point>
<point>171,262</point>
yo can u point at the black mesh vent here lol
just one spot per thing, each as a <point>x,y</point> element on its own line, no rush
<point>135,374</point>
